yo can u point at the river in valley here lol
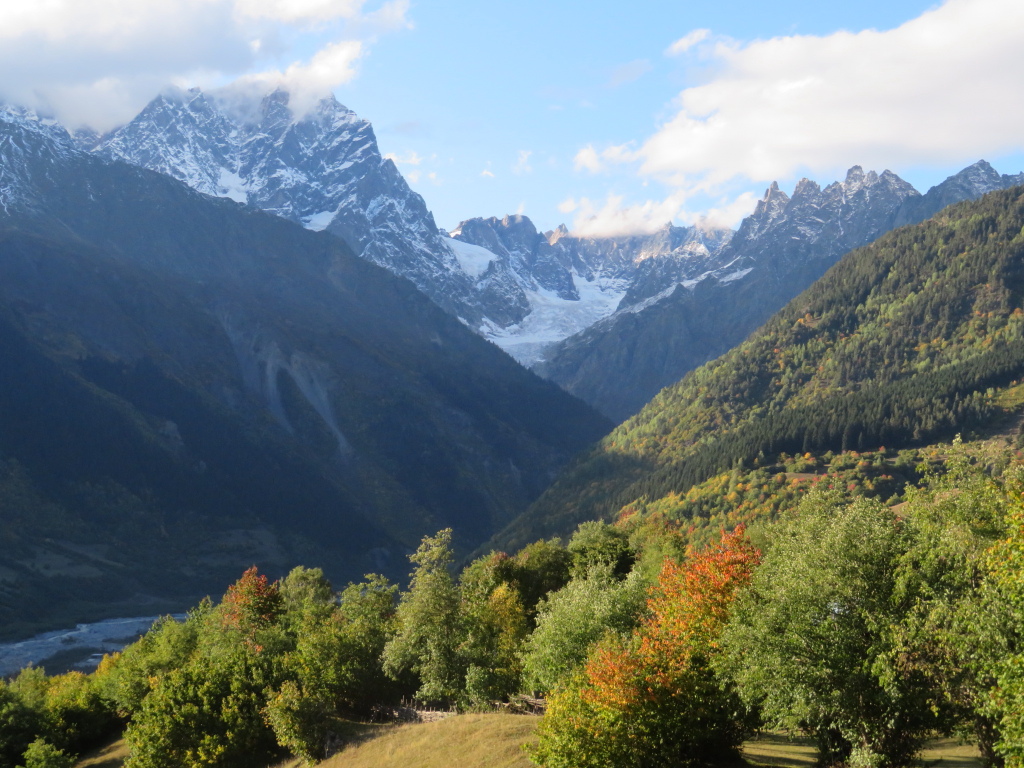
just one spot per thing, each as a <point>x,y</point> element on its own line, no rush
<point>80,648</point>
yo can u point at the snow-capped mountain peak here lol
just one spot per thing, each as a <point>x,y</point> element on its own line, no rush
<point>322,169</point>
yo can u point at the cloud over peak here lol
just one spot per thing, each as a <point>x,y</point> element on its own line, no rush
<point>920,93</point>
<point>97,62</point>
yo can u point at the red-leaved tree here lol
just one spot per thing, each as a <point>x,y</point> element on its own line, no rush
<point>251,604</point>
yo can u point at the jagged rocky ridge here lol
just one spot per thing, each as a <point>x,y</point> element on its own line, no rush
<point>525,291</point>
<point>191,386</point>
<point>658,334</point>
<point>569,283</point>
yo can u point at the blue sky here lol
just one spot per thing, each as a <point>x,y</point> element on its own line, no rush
<point>575,111</point>
<point>478,89</point>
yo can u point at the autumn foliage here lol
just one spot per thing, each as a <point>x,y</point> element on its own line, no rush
<point>252,603</point>
<point>655,699</point>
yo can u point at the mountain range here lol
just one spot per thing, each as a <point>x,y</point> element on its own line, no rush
<point>234,334</point>
<point>611,320</point>
<point>524,290</point>
<point>658,334</point>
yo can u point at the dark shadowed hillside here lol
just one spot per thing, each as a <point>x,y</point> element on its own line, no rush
<point>190,387</point>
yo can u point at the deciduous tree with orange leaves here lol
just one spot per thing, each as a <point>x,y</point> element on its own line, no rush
<point>655,700</point>
<point>252,604</point>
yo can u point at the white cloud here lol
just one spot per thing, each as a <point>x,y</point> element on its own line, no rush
<point>685,43</point>
<point>612,218</point>
<point>391,15</point>
<point>486,174</point>
<point>623,153</point>
<point>98,62</point>
<point>411,158</point>
<point>299,10</point>
<point>522,164</point>
<point>309,82</point>
<point>587,159</point>
<point>942,88</point>
<point>728,213</point>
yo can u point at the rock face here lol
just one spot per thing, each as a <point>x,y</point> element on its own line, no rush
<point>190,386</point>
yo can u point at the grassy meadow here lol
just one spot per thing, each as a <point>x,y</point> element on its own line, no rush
<point>495,741</point>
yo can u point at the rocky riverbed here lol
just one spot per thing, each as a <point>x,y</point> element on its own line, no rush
<point>80,648</point>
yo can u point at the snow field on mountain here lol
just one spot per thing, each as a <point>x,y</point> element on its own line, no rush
<point>553,319</point>
<point>318,221</point>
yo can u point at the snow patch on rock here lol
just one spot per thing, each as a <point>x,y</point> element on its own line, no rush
<point>473,259</point>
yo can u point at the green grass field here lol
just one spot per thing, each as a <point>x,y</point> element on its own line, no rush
<point>495,741</point>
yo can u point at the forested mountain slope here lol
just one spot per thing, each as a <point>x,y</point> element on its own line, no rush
<point>900,343</point>
<point>621,362</point>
